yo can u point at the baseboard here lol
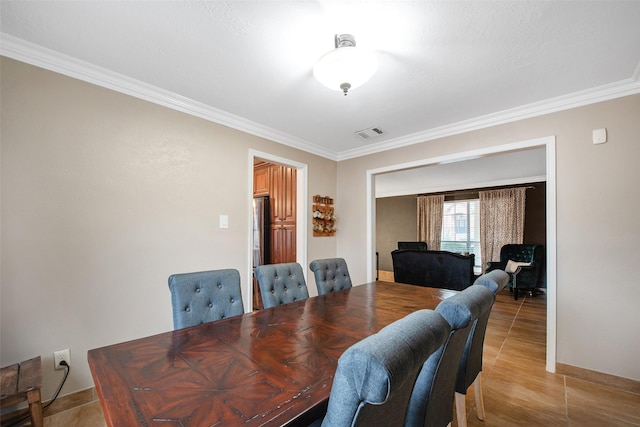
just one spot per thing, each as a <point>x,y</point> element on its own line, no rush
<point>62,403</point>
<point>72,400</point>
<point>385,276</point>
<point>620,383</point>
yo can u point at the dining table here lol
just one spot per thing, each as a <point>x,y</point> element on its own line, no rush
<point>271,367</point>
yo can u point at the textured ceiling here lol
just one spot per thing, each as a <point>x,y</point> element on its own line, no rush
<point>445,67</point>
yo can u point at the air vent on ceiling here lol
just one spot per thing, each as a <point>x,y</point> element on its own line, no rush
<point>370,133</point>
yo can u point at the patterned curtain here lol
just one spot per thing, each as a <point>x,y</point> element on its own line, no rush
<point>429,216</point>
<point>501,220</point>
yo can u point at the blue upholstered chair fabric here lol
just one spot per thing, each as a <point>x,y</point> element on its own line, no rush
<point>375,376</point>
<point>471,360</point>
<point>331,275</point>
<point>431,402</point>
<point>494,280</point>
<point>205,296</point>
<point>281,283</point>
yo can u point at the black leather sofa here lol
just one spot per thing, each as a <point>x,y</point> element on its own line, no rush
<point>414,246</point>
<point>436,269</point>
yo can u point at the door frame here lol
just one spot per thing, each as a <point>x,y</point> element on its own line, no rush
<point>549,143</point>
<point>301,216</point>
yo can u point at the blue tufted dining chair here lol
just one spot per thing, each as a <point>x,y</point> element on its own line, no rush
<point>431,403</point>
<point>281,283</point>
<point>331,275</point>
<point>494,280</point>
<point>374,378</point>
<point>470,370</point>
<point>205,296</point>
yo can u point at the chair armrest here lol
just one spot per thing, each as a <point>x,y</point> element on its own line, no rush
<point>495,265</point>
<point>524,267</point>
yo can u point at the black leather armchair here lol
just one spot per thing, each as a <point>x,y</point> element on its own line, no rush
<point>523,277</point>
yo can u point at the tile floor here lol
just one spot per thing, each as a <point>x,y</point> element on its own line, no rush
<point>519,392</point>
<point>517,389</point>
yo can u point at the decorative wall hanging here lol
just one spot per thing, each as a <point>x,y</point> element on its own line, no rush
<point>323,216</point>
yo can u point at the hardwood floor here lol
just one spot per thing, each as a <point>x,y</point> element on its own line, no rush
<point>517,389</point>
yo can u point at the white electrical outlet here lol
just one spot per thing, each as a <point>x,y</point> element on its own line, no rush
<point>59,356</point>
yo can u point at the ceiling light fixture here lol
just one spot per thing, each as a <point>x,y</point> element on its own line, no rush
<point>346,67</point>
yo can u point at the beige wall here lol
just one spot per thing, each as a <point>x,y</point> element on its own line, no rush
<point>103,197</point>
<point>395,221</point>
<point>597,238</point>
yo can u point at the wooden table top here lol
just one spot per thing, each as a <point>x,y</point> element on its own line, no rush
<point>268,367</point>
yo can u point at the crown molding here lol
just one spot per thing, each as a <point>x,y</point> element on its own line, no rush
<point>566,102</point>
<point>552,105</point>
<point>30,53</point>
<point>51,60</point>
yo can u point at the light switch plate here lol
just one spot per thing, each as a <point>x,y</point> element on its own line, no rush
<point>600,136</point>
<point>224,221</point>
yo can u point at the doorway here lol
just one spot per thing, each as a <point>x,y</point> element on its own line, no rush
<point>290,227</point>
<point>548,143</point>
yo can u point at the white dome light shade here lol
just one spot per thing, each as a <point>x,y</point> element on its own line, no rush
<point>345,68</point>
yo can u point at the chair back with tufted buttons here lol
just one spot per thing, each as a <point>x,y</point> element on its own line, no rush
<point>375,376</point>
<point>331,275</point>
<point>281,283</point>
<point>205,296</point>
<point>431,402</point>
<point>470,368</point>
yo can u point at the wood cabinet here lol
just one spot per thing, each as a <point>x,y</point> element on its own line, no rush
<point>279,183</point>
<point>283,194</point>
<point>283,243</point>
<point>283,214</point>
<point>261,179</point>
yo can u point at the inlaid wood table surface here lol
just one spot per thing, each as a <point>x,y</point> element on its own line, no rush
<point>266,368</point>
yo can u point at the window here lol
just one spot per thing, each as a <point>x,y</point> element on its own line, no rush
<point>461,229</point>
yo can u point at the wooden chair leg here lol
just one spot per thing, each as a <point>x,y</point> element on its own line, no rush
<point>477,388</point>
<point>35,407</point>
<point>461,410</point>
